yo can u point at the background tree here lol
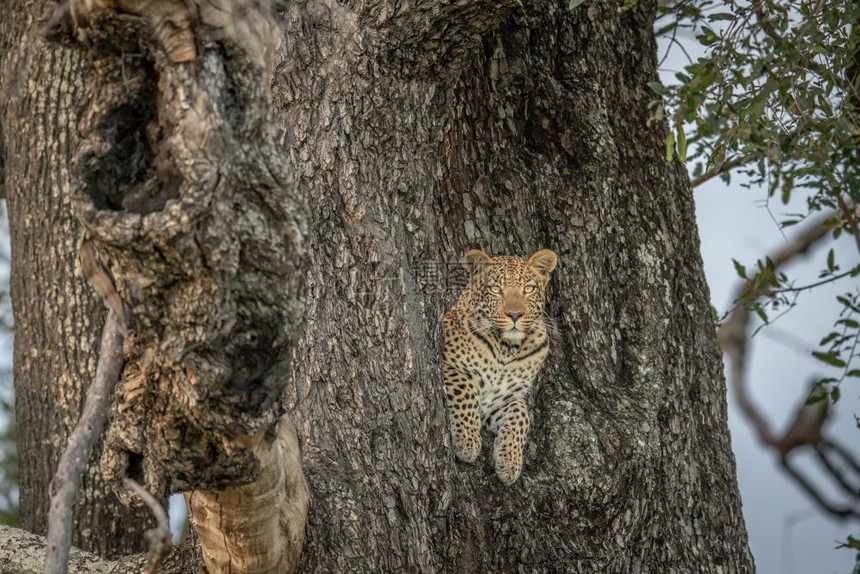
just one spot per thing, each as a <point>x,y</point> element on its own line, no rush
<point>418,132</point>
<point>775,100</point>
<point>56,346</point>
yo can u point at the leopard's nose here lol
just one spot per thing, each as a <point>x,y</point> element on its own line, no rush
<point>514,316</point>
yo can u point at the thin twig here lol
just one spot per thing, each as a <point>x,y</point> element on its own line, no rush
<point>722,168</point>
<point>806,429</point>
<point>74,460</point>
<point>159,538</point>
<point>830,279</point>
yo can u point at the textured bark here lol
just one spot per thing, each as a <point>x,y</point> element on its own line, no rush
<point>199,240</point>
<point>24,553</point>
<point>57,318</point>
<point>534,135</point>
<point>417,131</point>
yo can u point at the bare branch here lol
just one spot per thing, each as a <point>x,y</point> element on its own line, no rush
<point>806,429</point>
<point>721,169</point>
<point>74,460</point>
<point>733,333</point>
<point>158,537</point>
<point>839,512</point>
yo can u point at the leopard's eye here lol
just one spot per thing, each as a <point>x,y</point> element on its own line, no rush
<point>530,289</point>
<point>495,290</point>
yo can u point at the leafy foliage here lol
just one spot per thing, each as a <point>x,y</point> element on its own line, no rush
<point>774,96</point>
<point>776,99</point>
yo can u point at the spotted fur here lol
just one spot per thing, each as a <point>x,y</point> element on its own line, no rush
<point>495,344</point>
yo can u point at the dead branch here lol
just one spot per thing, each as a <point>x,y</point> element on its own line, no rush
<point>806,428</point>
<point>217,516</point>
<point>721,169</point>
<point>74,460</point>
<point>158,537</point>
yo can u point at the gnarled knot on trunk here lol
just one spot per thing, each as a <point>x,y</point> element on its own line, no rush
<point>190,211</point>
<point>245,23</point>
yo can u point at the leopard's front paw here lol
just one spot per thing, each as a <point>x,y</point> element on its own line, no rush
<point>467,447</point>
<point>508,460</point>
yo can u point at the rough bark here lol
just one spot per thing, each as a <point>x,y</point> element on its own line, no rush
<point>57,318</point>
<point>198,237</point>
<point>419,130</point>
<point>24,553</point>
<point>533,135</point>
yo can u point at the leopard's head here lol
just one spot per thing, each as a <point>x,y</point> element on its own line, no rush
<point>508,293</point>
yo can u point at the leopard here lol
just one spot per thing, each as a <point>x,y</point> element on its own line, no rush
<point>496,341</point>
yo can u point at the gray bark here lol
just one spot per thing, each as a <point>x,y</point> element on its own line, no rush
<point>193,217</point>
<point>195,239</point>
<point>418,131</point>
<point>24,553</point>
<point>533,135</point>
<point>57,318</point>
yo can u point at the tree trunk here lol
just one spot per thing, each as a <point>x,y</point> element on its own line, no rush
<point>57,319</point>
<point>417,136</point>
<point>417,131</point>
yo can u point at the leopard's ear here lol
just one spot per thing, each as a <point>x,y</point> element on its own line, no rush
<point>543,262</point>
<point>473,260</point>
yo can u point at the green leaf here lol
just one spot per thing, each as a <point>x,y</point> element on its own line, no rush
<point>571,4</point>
<point>708,36</point>
<point>740,269</point>
<point>830,259</point>
<point>812,399</point>
<point>760,312</point>
<point>828,338</point>
<point>850,543</point>
<point>656,87</point>
<point>670,146</point>
<point>853,373</point>
<point>682,143</point>
<point>834,394</point>
<point>721,16</point>
<point>830,358</point>
<point>667,28</point>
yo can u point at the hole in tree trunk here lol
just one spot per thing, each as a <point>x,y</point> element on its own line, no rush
<point>133,173</point>
<point>135,467</point>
